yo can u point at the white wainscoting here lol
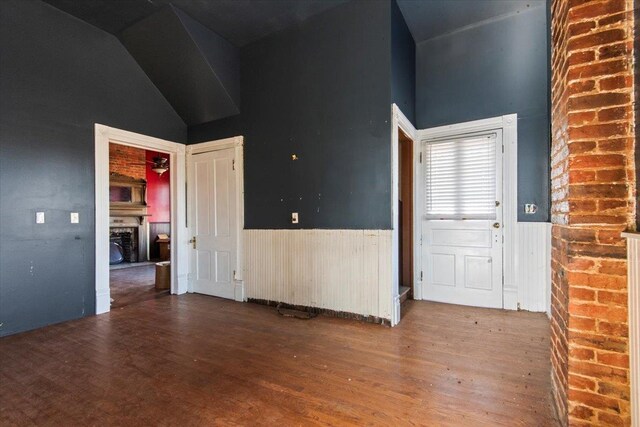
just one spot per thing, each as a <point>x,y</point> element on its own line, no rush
<point>341,270</point>
<point>633,259</point>
<point>533,266</point>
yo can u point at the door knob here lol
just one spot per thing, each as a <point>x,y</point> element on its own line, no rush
<point>496,225</point>
<point>193,241</point>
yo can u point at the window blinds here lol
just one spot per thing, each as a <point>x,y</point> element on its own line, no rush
<point>461,178</point>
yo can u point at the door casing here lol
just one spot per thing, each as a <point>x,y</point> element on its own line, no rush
<point>103,136</point>
<point>508,125</point>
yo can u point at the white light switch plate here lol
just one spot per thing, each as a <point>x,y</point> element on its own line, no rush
<point>294,217</point>
<point>39,217</point>
<point>75,217</point>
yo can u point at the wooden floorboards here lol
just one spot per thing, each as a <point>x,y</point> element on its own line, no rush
<point>132,285</point>
<point>197,360</point>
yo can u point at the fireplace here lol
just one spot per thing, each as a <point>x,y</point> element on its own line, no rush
<point>127,216</point>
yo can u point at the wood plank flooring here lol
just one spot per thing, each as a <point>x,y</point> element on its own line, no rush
<point>132,285</point>
<point>197,360</point>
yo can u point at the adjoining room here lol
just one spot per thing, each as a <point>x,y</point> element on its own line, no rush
<point>319,212</point>
<point>139,224</point>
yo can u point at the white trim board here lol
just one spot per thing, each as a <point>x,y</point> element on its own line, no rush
<point>400,121</point>
<point>237,143</point>
<point>103,136</point>
<point>633,278</point>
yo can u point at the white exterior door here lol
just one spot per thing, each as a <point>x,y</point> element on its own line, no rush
<point>462,236</point>
<point>213,222</point>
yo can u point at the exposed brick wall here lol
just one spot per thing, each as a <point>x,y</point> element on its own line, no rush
<point>129,161</point>
<point>593,200</point>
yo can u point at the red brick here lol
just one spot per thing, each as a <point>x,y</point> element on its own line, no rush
<point>582,294</point>
<point>617,360</point>
<point>615,113</point>
<point>582,383</point>
<point>597,69</point>
<point>596,39</point>
<point>613,267</point>
<point>594,400</point>
<point>616,298</point>
<point>604,99</point>
<point>595,9</point>
<point>599,131</point>
<point>582,353</point>
<point>614,329</point>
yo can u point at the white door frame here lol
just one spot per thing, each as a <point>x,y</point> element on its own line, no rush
<point>179,246</point>
<point>399,120</point>
<point>237,143</point>
<point>509,126</point>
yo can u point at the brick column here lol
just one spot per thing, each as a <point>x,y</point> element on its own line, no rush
<point>593,189</point>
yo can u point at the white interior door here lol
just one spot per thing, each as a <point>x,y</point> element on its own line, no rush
<point>462,236</point>
<point>213,223</point>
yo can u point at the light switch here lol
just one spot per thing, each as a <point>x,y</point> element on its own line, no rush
<point>75,217</point>
<point>294,217</point>
<point>39,217</point>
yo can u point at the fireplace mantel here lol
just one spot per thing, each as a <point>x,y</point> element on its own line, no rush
<point>128,209</point>
<point>633,277</point>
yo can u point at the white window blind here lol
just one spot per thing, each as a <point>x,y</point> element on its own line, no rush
<point>461,178</point>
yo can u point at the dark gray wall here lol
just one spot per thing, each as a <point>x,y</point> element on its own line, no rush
<point>195,69</point>
<point>320,90</point>
<point>403,64</point>
<point>500,67</point>
<point>59,76</point>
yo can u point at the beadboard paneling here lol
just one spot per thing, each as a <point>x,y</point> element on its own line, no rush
<point>533,266</point>
<point>342,270</point>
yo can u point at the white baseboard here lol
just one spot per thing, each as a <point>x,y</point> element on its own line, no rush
<point>103,301</point>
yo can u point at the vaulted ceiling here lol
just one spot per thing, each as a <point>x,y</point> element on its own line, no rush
<point>190,48</point>
<point>239,21</point>
<point>427,19</point>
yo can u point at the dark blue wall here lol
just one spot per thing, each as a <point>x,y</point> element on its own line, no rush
<point>496,68</point>
<point>403,64</point>
<point>322,91</point>
<point>59,76</point>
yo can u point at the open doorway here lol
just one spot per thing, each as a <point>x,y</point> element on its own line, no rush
<point>175,155</point>
<point>139,224</point>
<point>405,216</point>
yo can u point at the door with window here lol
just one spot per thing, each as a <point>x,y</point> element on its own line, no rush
<point>462,236</point>
<point>213,223</point>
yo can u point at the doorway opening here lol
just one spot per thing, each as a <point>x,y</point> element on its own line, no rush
<point>405,216</point>
<point>139,224</point>
<point>122,213</point>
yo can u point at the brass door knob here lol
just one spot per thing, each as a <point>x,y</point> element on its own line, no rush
<point>496,225</point>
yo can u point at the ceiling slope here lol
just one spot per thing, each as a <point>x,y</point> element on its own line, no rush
<point>195,69</point>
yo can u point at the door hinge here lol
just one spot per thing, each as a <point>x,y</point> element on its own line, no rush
<point>233,164</point>
<point>421,276</point>
<point>421,157</point>
<point>503,149</point>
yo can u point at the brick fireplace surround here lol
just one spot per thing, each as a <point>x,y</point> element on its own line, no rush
<point>593,201</point>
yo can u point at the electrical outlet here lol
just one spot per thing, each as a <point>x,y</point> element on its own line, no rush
<point>75,217</point>
<point>530,208</point>
<point>294,217</point>
<point>39,217</point>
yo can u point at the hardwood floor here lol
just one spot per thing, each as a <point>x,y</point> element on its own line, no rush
<point>197,360</point>
<point>132,285</point>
